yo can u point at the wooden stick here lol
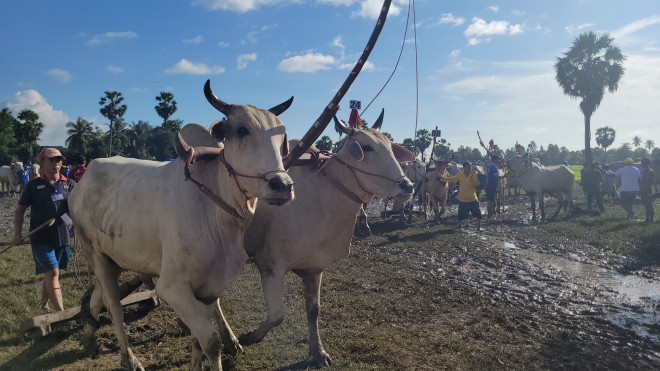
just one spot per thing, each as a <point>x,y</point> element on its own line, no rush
<point>48,223</point>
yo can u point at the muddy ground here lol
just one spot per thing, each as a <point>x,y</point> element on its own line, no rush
<point>573,293</point>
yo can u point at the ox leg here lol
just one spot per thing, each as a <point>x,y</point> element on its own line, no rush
<point>533,202</point>
<point>193,315</point>
<point>541,205</point>
<point>362,228</point>
<point>312,293</point>
<point>107,273</point>
<point>273,289</point>
<point>91,305</point>
<point>229,340</point>
<point>561,202</point>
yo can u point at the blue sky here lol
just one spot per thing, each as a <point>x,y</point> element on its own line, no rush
<point>483,65</point>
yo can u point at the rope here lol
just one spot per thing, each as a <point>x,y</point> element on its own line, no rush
<point>416,78</point>
<point>403,43</point>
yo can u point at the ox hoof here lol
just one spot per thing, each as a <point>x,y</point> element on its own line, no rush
<point>321,359</point>
<point>130,361</point>
<point>233,347</point>
<point>362,231</point>
<point>248,338</point>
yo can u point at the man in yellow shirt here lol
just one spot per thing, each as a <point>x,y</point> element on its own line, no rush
<point>468,203</point>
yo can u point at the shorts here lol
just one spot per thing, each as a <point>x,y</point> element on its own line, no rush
<point>47,258</point>
<point>465,208</point>
<point>490,194</point>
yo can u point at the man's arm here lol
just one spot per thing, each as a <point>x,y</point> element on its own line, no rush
<point>19,218</point>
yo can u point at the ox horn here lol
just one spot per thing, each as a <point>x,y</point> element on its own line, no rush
<point>379,122</point>
<point>199,153</point>
<point>280,108</point>
<point>342,127</point>
<point>331,109</point>
<point>215,101</point>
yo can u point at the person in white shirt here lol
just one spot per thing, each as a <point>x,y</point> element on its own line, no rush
<point>630,176</point>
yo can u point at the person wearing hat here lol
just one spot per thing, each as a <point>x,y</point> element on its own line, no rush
<point>646,188</point>
<point>492,179</point>
<point>609,184</point>
<point>468,181</point>
<point>47,197</point>
<point>630,176</point>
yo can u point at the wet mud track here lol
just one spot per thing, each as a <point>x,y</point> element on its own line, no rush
<point>592,296</point>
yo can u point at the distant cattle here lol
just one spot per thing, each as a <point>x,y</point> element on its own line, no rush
<point>537,180</point>
<point>9,178</point>
<point>434,190</point>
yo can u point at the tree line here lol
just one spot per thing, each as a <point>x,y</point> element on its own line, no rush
<point>19,135</point>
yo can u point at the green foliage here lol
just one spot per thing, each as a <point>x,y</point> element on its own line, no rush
<point>324,143</point>
<point>113,110</point>
<point>166,106</point>
<point>80,135</point>
<point>27,129</point>
<point>7,141</point>
<point>605,137</point>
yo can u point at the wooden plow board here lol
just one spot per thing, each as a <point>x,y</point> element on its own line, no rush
<point>40,326</point>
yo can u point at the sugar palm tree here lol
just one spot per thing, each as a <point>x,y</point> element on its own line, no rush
<point>591,65</point>
<point>113,110</point>
<point>80,135</point>
<point>637,141</point>
<point>649,145</point>
<point>605,137</point>
<point>166,106</point>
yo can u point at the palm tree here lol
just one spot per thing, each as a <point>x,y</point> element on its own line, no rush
<point>167,105</point>
<point>113,111</point>
<point>637,141</point>
<point>605,137</point>
<point>649,145</point>
<point>27,129</point>
<point>587,68</point>
<point>80,135</point>
<point>138,135</point>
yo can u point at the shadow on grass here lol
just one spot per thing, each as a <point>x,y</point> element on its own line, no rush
<point>34,358</point>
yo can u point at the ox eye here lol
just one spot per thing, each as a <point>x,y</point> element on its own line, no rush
<point>367,148</point>
<point>242,131</point>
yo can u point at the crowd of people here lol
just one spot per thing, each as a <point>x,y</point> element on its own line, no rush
<point>598,182</point>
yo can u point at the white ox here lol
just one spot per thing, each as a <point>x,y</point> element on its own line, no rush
<point>416,172</point>
<point>315,229</point>
<point>34,172</point>
<point>435,190</point>
<point>143,216</point>
<point>537,180</point>
<point>9,178</point>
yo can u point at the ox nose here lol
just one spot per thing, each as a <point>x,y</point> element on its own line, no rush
<point>277,184</point>
<point>406,186</point>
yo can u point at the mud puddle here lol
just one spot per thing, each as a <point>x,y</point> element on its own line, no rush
<point>628,301</point>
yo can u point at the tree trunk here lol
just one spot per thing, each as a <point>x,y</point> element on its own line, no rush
<point>587,138</point>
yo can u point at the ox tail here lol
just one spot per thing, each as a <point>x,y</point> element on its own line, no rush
<point>85,307</point>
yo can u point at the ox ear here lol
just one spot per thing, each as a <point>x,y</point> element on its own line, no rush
<point>285,147</point>
<point>219,130</point>
<point>280,108</point>
<point>379,121</point>
<point>355,149</point>
<point>401,154</point>
<point>198,153</point>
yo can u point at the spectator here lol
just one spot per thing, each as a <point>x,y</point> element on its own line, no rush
<point>582,171</point>
<point>645,188</point>
<point>492,178</point>
<point>609,185</point>
<point>592,182</point>
<point>79,170</point>
<point>468,203</point>
<point>47,196</point>
<point>629,185</point>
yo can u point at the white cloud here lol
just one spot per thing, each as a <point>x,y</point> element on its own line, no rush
<point>371,9</point>
<point>310,62</point>
<point>223,44</point>
<point>60,75</point>
<point>185,66</point>
<point>480,30</point>
<point>636,26</point>
<point>109,36</point>
<point>337,43</point>
<point>518,12</point>
<point>54,121</point>
<point>115,69</point>
<point>493,8</point>
<point>338,2</point>
<point>195,40</point>
<point>368,66</point>
<point>243,60</point>
<point>449,18</point>
<point>455,53</point>
<point>573,29</point>
<point>241,6</point>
